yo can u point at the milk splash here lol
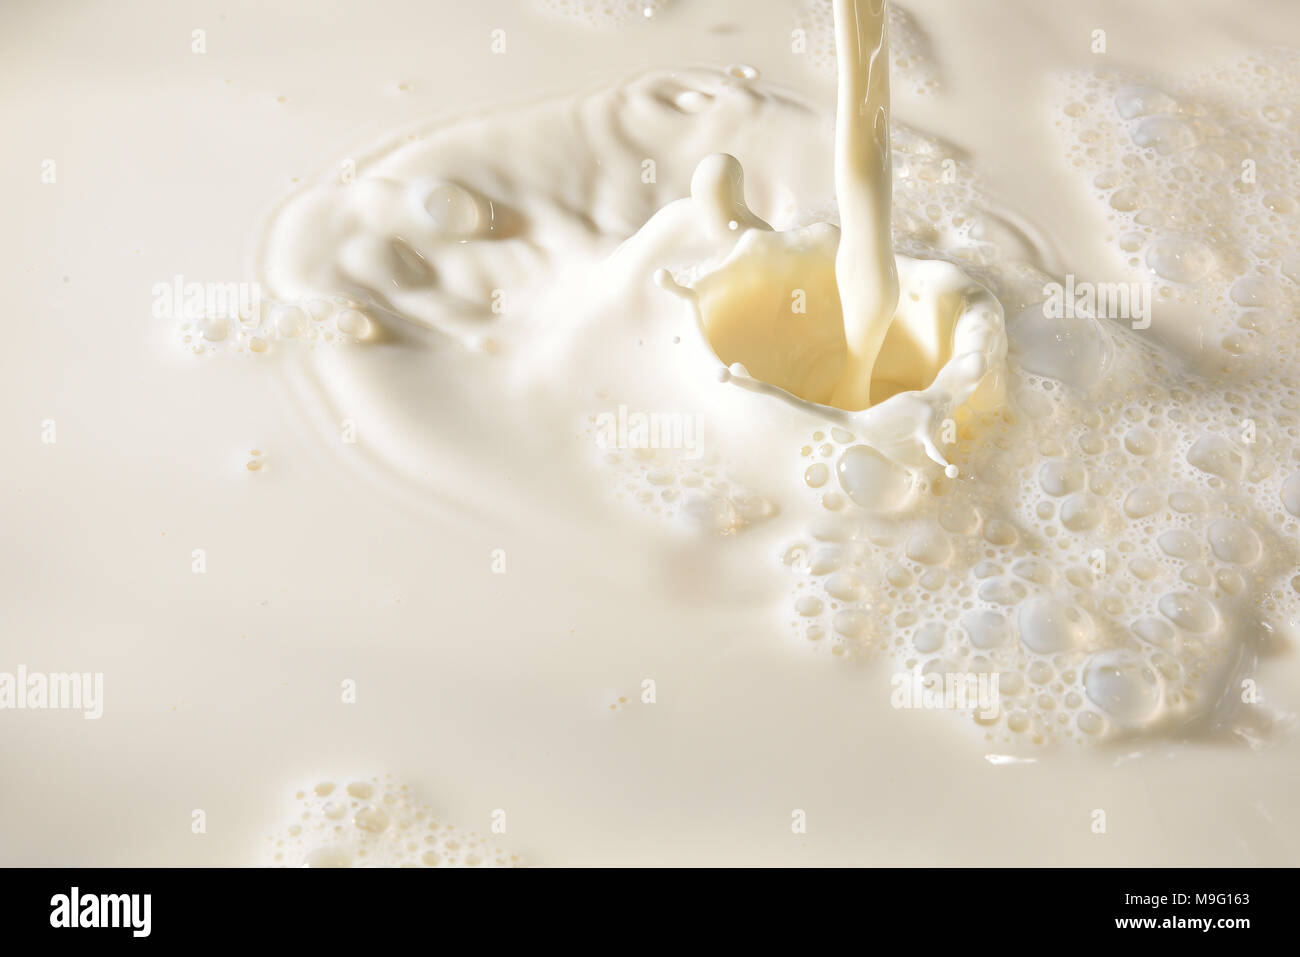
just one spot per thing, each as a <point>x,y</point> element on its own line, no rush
<point>814,314</point>
<point>1083,540</point>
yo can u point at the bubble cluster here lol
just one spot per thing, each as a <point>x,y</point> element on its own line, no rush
<point>374,822</point>
<point>327,320</point>
<point>1123,532</point>
<point>1112,553</point>
<point>1199,181</point>
<point>689,487</point>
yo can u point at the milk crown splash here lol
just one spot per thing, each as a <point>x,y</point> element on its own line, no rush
<point>814,315</point>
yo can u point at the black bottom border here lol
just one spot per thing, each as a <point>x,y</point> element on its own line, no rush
<point>973,906</point>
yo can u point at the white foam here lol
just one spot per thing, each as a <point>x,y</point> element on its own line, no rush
<point>374,822</point>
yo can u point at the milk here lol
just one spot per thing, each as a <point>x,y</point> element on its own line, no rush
<point>576,651</point>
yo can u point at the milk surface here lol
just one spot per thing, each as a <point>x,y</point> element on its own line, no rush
<point>441,531</point>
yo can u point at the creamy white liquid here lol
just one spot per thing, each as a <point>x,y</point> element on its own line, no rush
<point>864,181</point>
<point>445,516</point>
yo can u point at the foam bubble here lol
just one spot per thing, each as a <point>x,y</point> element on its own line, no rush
<point>1048,625</point>
<point>872,481</point>
<point>374,822</point>
<point>1123,686</point>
